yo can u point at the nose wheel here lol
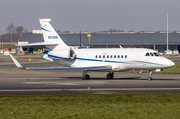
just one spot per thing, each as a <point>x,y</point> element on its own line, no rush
<point>150,75</point>
<point>149,78</point>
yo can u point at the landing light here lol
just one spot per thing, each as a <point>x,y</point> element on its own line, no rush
<point>117,69</point>
<point>158,70</point>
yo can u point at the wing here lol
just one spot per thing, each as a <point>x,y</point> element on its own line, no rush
<point>39,43</point>
<point>16,62</point>
<point>101,68</point>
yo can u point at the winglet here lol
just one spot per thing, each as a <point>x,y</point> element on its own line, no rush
<point>16,62</point>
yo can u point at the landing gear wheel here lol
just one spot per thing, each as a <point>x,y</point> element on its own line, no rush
<point>150,75</point>
<point>149,78</point>
<point>110,76</point>
<point>86,77</point>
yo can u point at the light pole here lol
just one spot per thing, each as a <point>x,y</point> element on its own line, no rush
<point>167,30</point>
<point>2,43</point>
<point>89,41</point>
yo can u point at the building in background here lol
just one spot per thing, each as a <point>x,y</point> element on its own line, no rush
<point>153,39</point>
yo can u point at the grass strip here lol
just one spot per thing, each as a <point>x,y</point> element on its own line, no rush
<point>172,70</point>
<point>161,106</point>
<point>175,69</point>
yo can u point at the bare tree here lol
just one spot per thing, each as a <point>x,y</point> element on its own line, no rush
<point>10,30</point>
<point>25,31</point>
<point>19,31</point>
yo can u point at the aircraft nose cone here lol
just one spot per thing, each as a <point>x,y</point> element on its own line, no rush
<point>171,64</point>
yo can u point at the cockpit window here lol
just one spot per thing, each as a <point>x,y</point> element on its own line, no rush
<point>147,54</point>
<point>151,54</point>
<point>156,54</point>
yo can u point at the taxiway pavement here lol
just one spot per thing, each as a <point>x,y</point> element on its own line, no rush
<point>14,81</point>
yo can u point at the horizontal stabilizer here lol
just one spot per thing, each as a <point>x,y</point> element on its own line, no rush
<point>73,68</point>
<point>38,43</point>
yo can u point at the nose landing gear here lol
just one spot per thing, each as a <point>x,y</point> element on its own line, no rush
<point>150,75</point>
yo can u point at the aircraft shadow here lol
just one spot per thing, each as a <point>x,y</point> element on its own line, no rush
<point>94,78</point>
<point>128,78</point>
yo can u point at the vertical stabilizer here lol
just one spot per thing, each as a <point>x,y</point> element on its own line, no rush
<point>51,36</point>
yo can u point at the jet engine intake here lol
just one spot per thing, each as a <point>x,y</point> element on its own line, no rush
<point>71,54</point>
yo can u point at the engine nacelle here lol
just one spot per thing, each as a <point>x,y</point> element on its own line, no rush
<point>71,54</point>
<point>67,54</point>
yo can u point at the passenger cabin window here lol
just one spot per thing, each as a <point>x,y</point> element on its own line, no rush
<point>122,56</point>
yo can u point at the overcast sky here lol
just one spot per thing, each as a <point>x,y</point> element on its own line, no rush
<point>91,15</point>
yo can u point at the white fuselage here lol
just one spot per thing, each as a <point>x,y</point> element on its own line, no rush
<point>120,59</point>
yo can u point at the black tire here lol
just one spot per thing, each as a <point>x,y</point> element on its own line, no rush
<point>86,77</point>
<point>149,78</point>
<point>110,76</point>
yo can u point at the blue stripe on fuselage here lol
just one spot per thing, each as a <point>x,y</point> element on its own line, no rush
<point>102,60</point>
<point>87,59</point>
<point>96,60</point>
<point>146,62</point>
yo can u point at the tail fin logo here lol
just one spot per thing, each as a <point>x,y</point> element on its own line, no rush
<point>45,29</point>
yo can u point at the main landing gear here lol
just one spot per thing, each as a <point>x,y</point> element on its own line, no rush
<point>86,76</point>
<point>150,75</point>
<point>110,75</point>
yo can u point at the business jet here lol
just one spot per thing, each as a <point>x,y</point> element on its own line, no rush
<point>92,59</point>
